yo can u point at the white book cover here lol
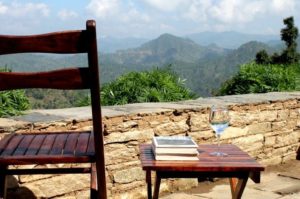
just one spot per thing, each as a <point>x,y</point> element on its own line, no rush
<point>174,142</point>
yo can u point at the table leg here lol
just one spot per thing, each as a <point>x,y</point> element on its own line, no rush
<point>237,186</point>
<point>149,186</point>
<point>3,181</point>
<point>156,186</point>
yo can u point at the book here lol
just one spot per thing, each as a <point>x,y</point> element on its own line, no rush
<point>174,148</point>
<point>176,157</point>
<point>174,142</point>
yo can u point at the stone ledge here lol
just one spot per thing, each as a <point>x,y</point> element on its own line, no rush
<point>84,113</point>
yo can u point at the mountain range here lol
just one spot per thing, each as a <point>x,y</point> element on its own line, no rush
<point>204,66</point>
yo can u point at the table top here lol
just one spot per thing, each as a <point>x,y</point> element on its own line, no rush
<point>237,160</point>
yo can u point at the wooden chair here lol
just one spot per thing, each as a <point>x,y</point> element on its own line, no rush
<point>56,147</point>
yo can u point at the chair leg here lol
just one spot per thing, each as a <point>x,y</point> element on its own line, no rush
<point>3,182</point>
<point>94,191</point>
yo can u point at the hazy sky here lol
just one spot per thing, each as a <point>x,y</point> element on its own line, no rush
<point>147,18</point>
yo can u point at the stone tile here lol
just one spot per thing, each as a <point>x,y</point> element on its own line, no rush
<point>224,192</point>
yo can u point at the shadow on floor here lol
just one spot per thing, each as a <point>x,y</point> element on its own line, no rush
<point>15,191</point>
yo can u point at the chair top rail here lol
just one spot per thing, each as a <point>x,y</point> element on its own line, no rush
<point>57,42</point>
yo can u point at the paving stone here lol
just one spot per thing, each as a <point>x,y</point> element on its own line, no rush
<point>224,192</point>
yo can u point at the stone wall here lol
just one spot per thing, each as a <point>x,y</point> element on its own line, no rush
<point>264,125</point>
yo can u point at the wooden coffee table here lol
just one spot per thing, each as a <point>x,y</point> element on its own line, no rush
<point>238,166</point>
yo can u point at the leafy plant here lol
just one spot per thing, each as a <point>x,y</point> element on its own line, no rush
<point>157,85</point>
<point>12,102</point>
<point>257,78</point>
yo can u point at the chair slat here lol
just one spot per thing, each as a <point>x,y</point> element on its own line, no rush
<point>4,141</point>
<point>82,144</point>
<point>59,42</point>
<point>71,144</point>
<point>23,145</point>
<point>47,144</point>
<point>35,145</point>
<point>12,145</point>
<point>59,144</point>
<point>91,145</point>
<point>71,78</point>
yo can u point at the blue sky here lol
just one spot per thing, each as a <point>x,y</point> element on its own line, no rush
<point>147,18</point>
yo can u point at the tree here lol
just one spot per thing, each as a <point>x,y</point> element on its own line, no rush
<point>289,55</point>
<point>289,35</point>
<point>157,85</point>
<point>262,57</point>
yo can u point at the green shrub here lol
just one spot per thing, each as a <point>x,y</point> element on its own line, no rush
<point>12,102</point>
<point>257,78</point>
<point>158,85</point>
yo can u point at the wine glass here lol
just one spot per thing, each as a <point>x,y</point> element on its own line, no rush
<point>218,119</point>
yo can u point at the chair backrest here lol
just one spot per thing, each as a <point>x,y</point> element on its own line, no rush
<point>67,42</point>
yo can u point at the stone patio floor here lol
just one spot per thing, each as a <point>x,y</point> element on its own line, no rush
<point>277,182</point>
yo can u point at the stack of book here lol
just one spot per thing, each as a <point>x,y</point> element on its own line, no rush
<point>174,148</point>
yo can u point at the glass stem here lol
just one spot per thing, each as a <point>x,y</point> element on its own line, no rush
<point>218,138</point>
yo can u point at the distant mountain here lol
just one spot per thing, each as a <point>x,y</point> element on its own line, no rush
<point>166,49</point>
<point>229,39</point>
<point>203,67</point>
<point>112,44</point>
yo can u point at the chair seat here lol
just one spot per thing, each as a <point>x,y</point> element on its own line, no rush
<point>44,148</point>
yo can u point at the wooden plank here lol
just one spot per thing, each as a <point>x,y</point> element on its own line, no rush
<point>23,145</point>
<point>82,143</point>
<point>91,145</point>
<point>12,145</point>
<point>35,145</point>
<point>57,42</point>
<point>71,144</point>
<point>71,78</point>
<point>4,141</point>
<point>59,144</point>
<point>47,144</point>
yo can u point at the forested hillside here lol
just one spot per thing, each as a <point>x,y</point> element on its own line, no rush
<point>203,67</point>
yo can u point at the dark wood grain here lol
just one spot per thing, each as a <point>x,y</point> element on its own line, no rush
<point>59,144</point>
<point>82,144</point>
<point>237,160</point>
<point>12,145</point>
<point>59,42</point>
<point>71,144</point>
<point>46,146</point>
<point>71,78</point>
<point>36,144</point>
<point>237,165</point>
<point>23,145</point>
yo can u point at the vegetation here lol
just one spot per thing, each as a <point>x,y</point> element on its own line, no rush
<point>278,72</point>
<point>289,55</point>
<point>12,102</point>
<point>258,78</point>
<point>157,85</point>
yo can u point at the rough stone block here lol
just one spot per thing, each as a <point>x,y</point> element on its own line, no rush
<point>139,135</point>
<point>267,116</point>
<point>283,115</point>
<point>234,132</point>
<point>172,128</point>
<point>250,143</point>
<point>259,128</point>
<point>198,122</point>
<point>129,175</point>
